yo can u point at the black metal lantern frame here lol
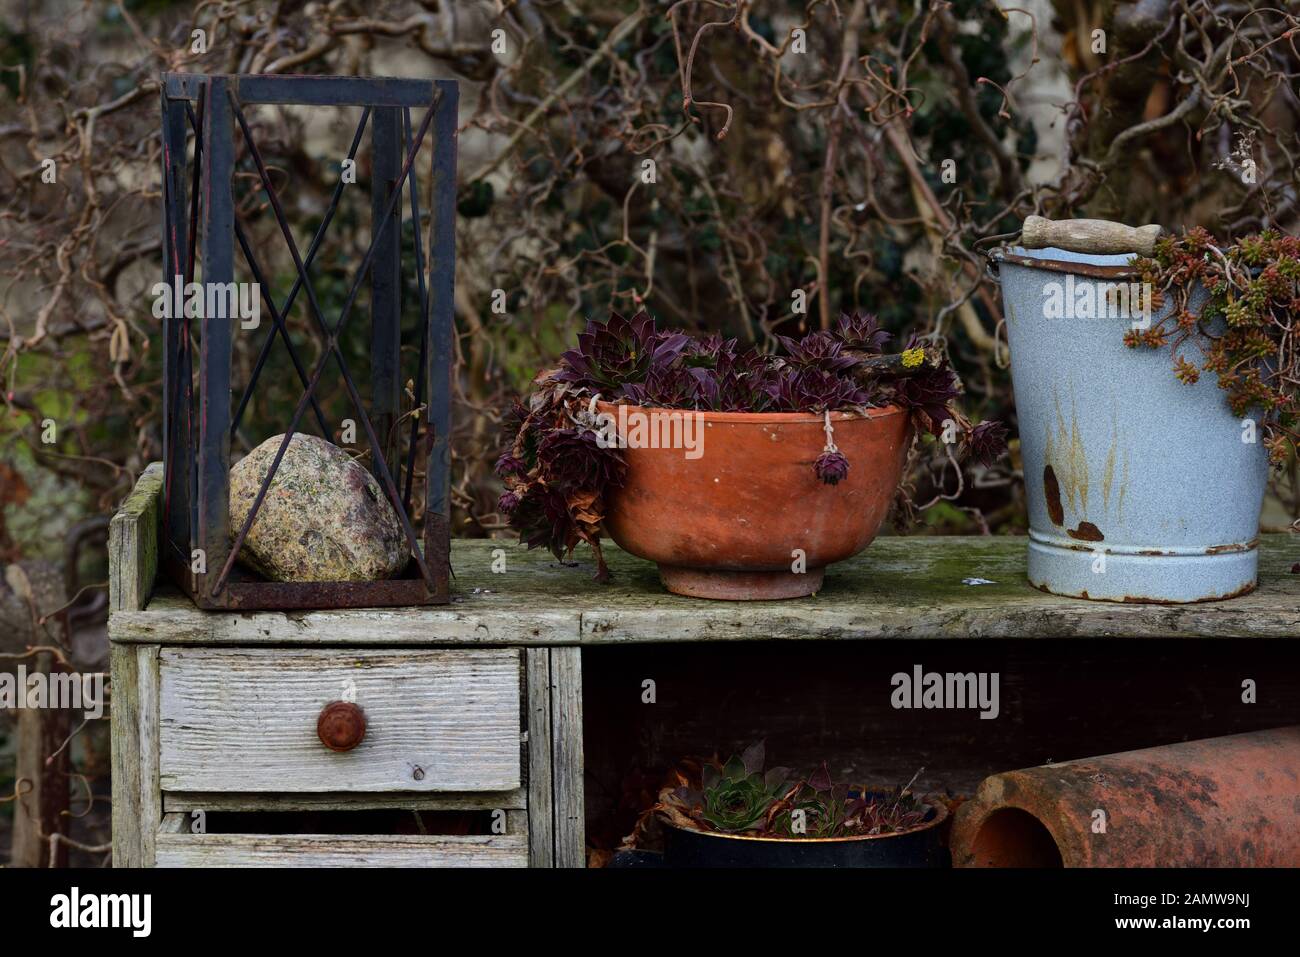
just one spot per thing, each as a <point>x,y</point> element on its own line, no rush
<point>198,546</point>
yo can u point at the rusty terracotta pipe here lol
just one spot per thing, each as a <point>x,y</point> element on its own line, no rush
<point>1220,802</point>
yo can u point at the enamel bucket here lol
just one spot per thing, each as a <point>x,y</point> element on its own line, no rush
<point>1140,487</point>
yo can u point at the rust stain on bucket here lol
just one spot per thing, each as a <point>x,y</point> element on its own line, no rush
<point>1069,459</point>
<point>1052,492</point>
<point>1086,532</point>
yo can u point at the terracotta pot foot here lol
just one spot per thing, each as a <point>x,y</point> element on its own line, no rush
<point>740,586</point>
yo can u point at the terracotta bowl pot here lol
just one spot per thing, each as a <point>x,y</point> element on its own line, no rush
<point>723,518</point>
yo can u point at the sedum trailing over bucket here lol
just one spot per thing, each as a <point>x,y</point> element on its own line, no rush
<point>740,797</point>
<point>558,472</point>
<point>1247,329</point>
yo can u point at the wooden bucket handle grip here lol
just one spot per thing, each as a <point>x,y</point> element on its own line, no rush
<point>1098,236</point>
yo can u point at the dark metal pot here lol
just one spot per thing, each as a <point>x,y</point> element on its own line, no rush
<point>922,847</point>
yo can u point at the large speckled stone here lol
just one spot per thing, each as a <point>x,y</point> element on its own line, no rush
<point>324,519</point>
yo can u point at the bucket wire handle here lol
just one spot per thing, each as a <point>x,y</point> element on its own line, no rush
<point>990,258</point>
<point>998,238</point>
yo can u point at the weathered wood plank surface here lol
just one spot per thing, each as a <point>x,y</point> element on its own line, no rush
<point>904,587</point>
<point>137,808</point>
<point>147,698</point>
<point>567,766</point>
<point>270,801</point>
<point>335,850</point>
<point>124,716</point>
<point>541,803</point>
<point>245,720</point>
<point>133,543</point>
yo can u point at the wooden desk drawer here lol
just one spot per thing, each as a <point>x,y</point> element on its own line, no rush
<point>245,720</point>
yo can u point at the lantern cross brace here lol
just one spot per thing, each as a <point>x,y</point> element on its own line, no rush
<point>278,323</point>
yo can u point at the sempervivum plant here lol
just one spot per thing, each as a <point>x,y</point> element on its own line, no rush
<point>736,796</point>
<point>740,797</point>
<point>1247,327</point>
<point>558,475</point>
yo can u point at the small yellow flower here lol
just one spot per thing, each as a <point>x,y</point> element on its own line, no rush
<point>913,357</point>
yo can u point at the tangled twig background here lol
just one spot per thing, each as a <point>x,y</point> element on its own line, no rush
<point>845,153</point>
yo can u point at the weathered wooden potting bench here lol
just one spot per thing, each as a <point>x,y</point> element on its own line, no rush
<point>478,705</point>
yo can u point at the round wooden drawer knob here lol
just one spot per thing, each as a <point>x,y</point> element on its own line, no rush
<point>341,725</point>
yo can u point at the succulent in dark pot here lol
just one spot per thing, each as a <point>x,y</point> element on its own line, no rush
<point>739,814</point>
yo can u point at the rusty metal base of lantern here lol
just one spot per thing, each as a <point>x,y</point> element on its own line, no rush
<point>246,591</point>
